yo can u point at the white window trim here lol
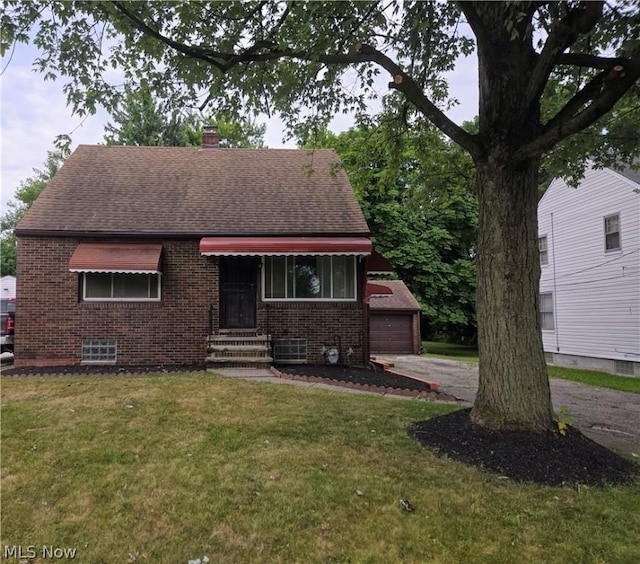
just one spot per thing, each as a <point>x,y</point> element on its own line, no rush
<point>552,312</point>
<point>604,227</point>
<point>315,300</point>
<point>546,239</point>
<point>86,299</point>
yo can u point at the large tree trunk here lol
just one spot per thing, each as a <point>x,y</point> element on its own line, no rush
<point>514,386</point>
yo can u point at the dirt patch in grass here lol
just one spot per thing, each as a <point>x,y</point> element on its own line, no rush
<point>550,459</point>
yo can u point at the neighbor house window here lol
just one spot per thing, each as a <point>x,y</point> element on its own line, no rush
<point>546,311</point>
<point>99,351</point>
<point>310,278</point>
<point>102,286</point>
<point>624,367</point>
<point>612,232</point>
<point>542,248</point>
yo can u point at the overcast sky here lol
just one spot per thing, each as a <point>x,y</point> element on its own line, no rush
<point>34,113</point>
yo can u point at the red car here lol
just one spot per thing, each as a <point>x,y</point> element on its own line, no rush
<point>8,323</point>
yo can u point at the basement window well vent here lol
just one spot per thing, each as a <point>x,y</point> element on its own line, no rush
<point>624,367</point>
<point>99,352</point>
<point>290,351</point>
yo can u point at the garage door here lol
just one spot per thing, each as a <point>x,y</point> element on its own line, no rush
<point>391,333</point>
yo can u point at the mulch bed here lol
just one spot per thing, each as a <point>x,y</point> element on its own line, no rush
<point>100,370</point>
<point>361,379</point>
<point>549,459</point>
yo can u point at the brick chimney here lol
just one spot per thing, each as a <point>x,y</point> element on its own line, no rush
<point>210,137</point>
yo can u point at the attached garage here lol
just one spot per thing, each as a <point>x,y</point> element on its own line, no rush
<point>394,319</point>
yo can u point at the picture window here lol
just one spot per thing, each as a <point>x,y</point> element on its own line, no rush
<point>310,278</point>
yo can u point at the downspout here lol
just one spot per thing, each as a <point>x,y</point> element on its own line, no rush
<point>365,310</point>
<point>555,291</point>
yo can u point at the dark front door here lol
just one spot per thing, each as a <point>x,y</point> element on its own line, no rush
<point>238,277</point>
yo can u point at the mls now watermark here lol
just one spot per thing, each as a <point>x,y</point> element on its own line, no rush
<point>45,551</point>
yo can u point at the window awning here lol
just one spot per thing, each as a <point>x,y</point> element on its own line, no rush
<point>127,258</point>
<point>377,264</point>
<point>282,246</point>
<point>378,290</point>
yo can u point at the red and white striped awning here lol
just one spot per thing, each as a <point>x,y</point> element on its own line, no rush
<point>129,258</point>
<point>282,246</point>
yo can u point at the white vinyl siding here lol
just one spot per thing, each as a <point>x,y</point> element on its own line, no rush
<point>596,293</point>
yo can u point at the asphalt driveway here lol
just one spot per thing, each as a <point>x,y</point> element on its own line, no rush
<point>609,417</point>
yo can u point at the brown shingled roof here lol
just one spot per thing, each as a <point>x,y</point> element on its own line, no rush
<point>400,299</point>
<point>196,192</point>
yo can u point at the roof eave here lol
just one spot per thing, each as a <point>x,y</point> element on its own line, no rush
<point>31,232</point>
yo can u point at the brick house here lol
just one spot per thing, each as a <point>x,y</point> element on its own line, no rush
<point>177,256</point>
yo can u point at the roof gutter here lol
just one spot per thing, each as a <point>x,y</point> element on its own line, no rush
<point>179,235</point>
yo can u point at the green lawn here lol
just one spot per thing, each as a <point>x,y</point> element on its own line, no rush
<point>600,379</point>
<point>173,468</point>
<point>448,350</point>
<point>590,377</point>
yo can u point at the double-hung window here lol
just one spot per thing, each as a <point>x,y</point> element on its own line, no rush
<point>542,248</point>
<point>546,311</point>
<point>310,278</point>
<point>612,232</point>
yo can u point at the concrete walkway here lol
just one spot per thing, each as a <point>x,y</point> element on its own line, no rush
<point>609,417</point>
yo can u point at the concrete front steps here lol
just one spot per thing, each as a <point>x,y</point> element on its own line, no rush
<point>238,349</point>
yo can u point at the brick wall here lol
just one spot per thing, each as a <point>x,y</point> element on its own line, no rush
<point>52,322</point>
<point>321,324</point>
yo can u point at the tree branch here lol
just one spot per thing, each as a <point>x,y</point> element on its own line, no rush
<point>265,51</point>
<point>578,101</point>
<point>413,93</point>
<point>189,51</point>
<point>578,21</point>
<point>282,19</point>
<point>477,25</point>
<point>591,61</point>
<point>614,85</point>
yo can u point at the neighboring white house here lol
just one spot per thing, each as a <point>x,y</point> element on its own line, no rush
<point>8,287</point>
<point>589,240</point>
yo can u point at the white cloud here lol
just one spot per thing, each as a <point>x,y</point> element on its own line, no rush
<point>33,114</point>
